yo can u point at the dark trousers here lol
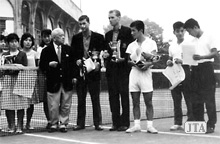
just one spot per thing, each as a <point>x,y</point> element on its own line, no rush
<point>203,81</point>
<point>10,114</point>
<point>119,98</point>
<point>46,111</point>
<point>29,113</point>
<point>183,90</point>
<point>45,106</point>
<point>94,90</point>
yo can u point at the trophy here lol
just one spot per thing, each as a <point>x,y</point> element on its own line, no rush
<point>151,57</point>
<point>115,47</point>
<point>95,55</point>
<point>90,64</point>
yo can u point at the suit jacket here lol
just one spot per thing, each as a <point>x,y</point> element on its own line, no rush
<point>126,38</point>
<point>63,73</point>
<point>96,44</point>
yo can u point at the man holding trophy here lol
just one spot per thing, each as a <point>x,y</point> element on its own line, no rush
<point>117,71</point>
<point>87,46</point>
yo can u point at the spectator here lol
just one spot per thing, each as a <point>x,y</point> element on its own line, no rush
<point>46,40</point>
<point>27,43</point>
<point>12,102</point>
<point>2,47</point>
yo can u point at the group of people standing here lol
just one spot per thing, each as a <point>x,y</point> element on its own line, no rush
<point>22,54</point>
<point>198,87</point>
<point>128,57</point>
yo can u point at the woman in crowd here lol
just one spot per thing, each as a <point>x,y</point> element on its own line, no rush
<point>2,47</point>
<point>27,43</point>
<point>10,101</point>
<point>46,40</point>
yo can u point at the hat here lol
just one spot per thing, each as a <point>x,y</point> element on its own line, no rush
<point>89,64</point>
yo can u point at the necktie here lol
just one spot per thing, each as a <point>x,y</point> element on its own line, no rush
<point>59,53</point>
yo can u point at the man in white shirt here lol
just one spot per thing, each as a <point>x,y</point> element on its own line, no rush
<point>183,89</point>
<point>140,78</point>
<point>203,78</point>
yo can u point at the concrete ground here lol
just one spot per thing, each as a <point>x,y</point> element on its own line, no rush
<point>90,136</point>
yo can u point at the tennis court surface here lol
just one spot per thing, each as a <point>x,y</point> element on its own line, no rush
<point>90,136</point>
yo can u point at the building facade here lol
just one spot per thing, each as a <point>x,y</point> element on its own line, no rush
<point>32,16</point>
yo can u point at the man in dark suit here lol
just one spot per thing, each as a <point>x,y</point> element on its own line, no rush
<point>57,62</point>
<point>117,71</point>
<point>87,44</point>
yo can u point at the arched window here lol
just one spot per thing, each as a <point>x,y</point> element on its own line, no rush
<point>66,37</point>
<point>25,12</point>
<point>60,25</point>
<point>6,18</point>
<point>49,23</point>
<point>38,26</point>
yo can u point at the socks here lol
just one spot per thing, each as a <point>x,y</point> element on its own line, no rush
<point>149,124</point>
<point>137,123</point>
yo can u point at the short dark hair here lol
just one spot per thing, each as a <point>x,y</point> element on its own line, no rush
<point>138,24</point>
<point>82,17</point>
<point>24,37</point>
<point>12,36</point>
<point>46,32</point>
<point>117,12</point>
<point>2,37</point>
<point>191,23</point>
<point>178,25</point>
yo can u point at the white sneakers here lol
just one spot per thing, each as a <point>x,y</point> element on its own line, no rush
<point>137,127</point>
<point>152,130</point>
<point>176,127</point>
<point>133,129</point>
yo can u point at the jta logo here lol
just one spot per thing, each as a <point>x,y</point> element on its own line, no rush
<point>195,127</point>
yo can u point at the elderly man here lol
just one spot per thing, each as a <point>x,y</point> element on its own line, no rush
<point>57,62</point>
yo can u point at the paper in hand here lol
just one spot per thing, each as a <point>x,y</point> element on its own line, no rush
<point>175,74</point>
<point>188,52</point>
